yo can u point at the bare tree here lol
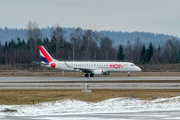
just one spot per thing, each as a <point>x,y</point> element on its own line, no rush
<point>171,50</point>
<point>58,34</point>
<point>105,48</point>
<point>76,41</point>
<point>137,50</point>
<point>89,45</point>
<point>33,31</point>
<point>128,51</point>
<point>33,35</point>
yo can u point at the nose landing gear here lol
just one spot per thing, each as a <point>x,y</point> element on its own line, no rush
<point>129,74</point>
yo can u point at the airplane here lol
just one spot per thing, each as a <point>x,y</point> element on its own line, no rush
<point>89,68</point>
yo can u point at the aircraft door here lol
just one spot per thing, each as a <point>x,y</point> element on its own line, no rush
<point>59,65</point>
<point>126,66</point>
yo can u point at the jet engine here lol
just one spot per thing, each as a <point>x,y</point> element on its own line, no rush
<point>98,72</point>
<point>106,73</point>
<point>53,65</point>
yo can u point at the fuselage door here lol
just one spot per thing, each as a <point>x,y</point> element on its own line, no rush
<point>126,66</point>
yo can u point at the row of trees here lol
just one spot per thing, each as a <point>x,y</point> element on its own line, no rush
<point>85,45</point>
<point>138,53</point>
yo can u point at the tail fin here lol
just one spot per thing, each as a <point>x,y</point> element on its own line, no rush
<point>45,57</point>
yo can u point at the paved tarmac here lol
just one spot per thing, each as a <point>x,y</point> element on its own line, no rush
<point>91,85</point>
<point>47,83</point>
<point>36,79</point>
<point>94,84</point>
<point>145,115</point>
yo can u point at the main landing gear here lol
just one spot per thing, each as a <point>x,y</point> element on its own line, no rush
<point>91,75</point>
<point>87,75</point>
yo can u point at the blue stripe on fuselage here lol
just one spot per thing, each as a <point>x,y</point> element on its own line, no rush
<point>44,60</point>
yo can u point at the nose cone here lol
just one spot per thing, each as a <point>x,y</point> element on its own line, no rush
<point>139,69</point>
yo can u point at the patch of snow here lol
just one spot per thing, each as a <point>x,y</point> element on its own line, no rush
<point>70,106</point>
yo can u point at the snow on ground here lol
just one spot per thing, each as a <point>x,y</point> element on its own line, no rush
<point>69,106</point>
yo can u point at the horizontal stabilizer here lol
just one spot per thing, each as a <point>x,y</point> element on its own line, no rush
<point>40,63</point>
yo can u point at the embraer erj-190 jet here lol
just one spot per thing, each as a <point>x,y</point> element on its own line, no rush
<point>92,68</point>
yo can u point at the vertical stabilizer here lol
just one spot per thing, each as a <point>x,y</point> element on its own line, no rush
<point>45,56</point>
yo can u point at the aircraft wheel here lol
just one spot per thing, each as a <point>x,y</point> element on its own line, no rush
<point>86,75</point>
<point>129,74</point>
<point>91,75</point>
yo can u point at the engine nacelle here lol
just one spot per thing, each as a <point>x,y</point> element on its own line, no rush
<point>98,72</point>
<point>106,73</point>
<point>53,65</point>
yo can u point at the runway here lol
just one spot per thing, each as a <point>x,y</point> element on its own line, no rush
<point>94,83</point>
<point>66,79</point>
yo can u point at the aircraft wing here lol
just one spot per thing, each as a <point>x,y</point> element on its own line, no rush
<point>81,69</point>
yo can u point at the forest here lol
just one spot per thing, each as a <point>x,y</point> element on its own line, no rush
<point>85,45</point>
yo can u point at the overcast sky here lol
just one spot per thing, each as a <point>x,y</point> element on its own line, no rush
<point>158,16</point>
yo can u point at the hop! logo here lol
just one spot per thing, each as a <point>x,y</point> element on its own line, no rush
<point>116,66</point>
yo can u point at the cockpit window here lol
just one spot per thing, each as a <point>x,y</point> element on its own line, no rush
<point>133,65</point>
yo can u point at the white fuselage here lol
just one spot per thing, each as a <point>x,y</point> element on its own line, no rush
<point>105,66</point>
